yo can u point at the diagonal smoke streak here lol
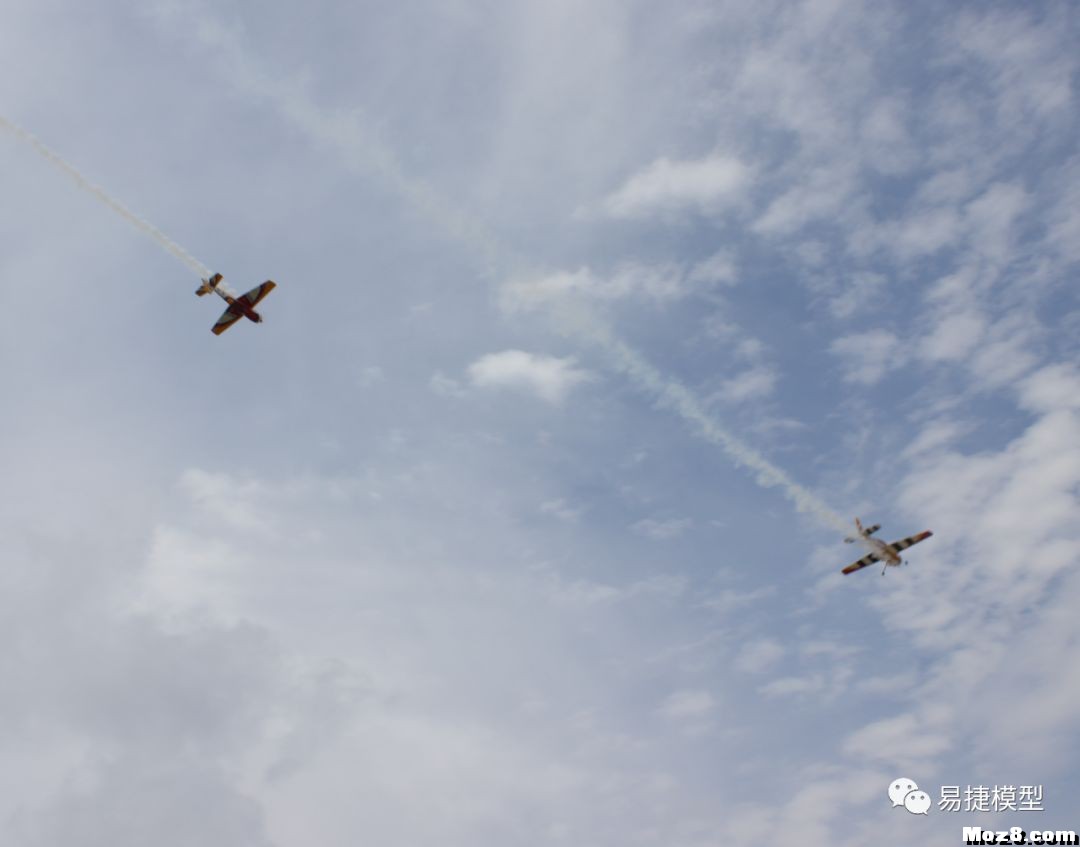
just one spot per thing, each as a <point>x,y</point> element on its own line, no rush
<point>343,131</point>
<point>145,226</point>
<point>345,134</point>
<point>675,396</point>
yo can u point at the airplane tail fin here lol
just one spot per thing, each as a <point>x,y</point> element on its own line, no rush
<point>208,285</point>
<point>864,531</point>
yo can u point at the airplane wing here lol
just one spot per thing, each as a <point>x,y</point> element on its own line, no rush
<point>865,561</point>
<point>258,292</point>
<point>907,542</point>
<point>230,316</point>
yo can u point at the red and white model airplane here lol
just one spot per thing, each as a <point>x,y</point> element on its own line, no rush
<point>239,307</point>
<point>879,550</point>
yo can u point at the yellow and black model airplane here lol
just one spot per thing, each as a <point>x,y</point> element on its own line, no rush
<point>239,307</point>
<point>879,550</point>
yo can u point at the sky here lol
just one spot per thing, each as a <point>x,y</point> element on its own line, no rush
<point>518,521</point>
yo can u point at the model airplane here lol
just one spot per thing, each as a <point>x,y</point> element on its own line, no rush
<point>880,551</point>
<point>239,307</point>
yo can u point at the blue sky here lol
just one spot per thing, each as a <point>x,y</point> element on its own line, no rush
<point>458,545</point>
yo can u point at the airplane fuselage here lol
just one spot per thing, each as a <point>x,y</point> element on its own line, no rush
<point>879,551</point>
<point>883,550</point>
<point>240,305</point>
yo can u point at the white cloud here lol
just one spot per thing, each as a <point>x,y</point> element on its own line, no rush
<point>1013,512</point>
<point>225,498</point>
<point>789,686</point>
<point>992,218</point>
<point>1003,357</point>
<point>829,676</point>
<point>548,377</point>
<point>718,268</point>
<point>1029,76</point>
<point>729,600</point>
<point>137,799</point>
<point>1055,387</point>
<point>924,232</point>
<point>937,219</point>
<point>868,356</point>
<point>948,186</point>
<point>585,594</point>
<point>370,375</point>
<point>445,386</point>
<point>630,280</point>
<point>863,292</point>
<point>954,338</point>
<point>525,295</point>
<point>1063,215</point>
<point>886,140</point>
<point>561,510</point>
<point>760,655</point>
<point>706,185</point>
<point>935,436</point>
<point>907,740</point>
<point>749,348</point>
<point>662,530</point>
<point>688,703</point>
<point>752,384</point>
<point>886,686</point>
<point>824,192</point>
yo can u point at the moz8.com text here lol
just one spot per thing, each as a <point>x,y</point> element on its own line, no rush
<point>1016,835</point>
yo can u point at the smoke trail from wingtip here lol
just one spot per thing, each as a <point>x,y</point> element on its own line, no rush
<point>345,133</point>
<point>675,396</point>
<point>682,401</point>
<point>97,191</point>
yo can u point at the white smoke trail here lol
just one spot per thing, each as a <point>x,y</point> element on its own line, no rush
<point>675,396</point>
<point>345,134</point>
<point>145,226</point>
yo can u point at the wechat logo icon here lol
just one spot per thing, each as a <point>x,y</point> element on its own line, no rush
<point>904,792</point>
